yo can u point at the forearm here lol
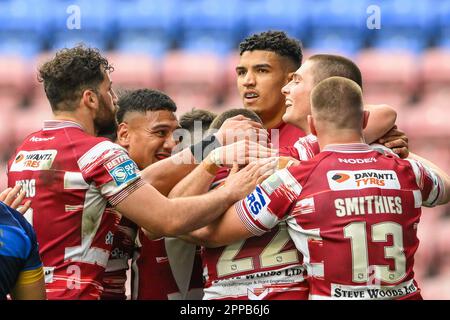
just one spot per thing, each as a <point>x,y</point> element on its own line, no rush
<point>381,119</point>
<point>199,211</point>
<point>438,171</point>
<point>195,183</point>
<point>165,174</point>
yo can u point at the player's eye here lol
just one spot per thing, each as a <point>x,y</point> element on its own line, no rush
<point>240,72</point>
<point>262,70</point>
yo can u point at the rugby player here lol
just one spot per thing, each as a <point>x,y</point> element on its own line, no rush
<point>72,176</point>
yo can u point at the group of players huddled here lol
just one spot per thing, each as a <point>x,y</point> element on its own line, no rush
<point>304,193</point>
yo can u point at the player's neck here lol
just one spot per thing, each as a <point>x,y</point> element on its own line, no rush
<point>87,124</point>
<point>339,137</point>
<point>272,121</point>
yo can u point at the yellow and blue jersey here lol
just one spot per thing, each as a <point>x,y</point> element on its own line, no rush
<point>19,254</point>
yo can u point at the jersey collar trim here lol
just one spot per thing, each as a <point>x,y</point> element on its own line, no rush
<point>59,124</point>
<point>348,148</point>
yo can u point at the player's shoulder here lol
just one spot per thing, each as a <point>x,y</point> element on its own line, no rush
<point>91,146</point>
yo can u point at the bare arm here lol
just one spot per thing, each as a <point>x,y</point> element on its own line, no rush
<point>165,174</point>
<point>171,217</point>
<point>225,230</point>
<point>382,118</point>
<point>199,181</point>
<point>439,172</point>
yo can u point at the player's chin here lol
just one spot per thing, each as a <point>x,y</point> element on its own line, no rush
<point>286,117</point>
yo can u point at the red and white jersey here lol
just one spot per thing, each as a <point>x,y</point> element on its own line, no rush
<point>353,213</point>
<point>304,148</point>
<point>115,275</point>
<point>266,267</point>
<point>165,269</point>
<point>71,178</point>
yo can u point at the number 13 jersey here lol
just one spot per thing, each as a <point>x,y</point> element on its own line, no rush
<point>353,213</point>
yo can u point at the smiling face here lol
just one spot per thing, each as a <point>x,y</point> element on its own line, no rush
<point>260,77</point>
<point>148,136</point>
<point>297,96</point>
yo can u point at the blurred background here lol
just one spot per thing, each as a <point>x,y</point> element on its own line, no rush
<point>188,49</point>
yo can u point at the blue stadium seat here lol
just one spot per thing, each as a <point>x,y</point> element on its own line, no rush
<point>346,42</point>
<point>210,25</point>
<point>291,16</point>
<point>23,24</point>
<point>23,15</point>
<point>338,25</point>
<point>135,41</point>
<point>405,24</point>
<point>19,43</point>
<point>208,41</point>
<point>96,23</point>
<point>71,38</point>
<point>444,25</point>
<point>338,14</point>
<point>409,14</point>
<point>146,26</point>
<point>410,40</point>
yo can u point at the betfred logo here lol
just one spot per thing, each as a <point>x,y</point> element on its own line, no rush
<point>34,160</point>
<point>340,177</point>
<point>354,180</point>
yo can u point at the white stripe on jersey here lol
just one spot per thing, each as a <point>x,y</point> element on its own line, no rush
<point>75,180</point>
<point>301,237</point>
<point>437,189</point>
<point>96,151</point>
<point>289,181</point>
<point>93,209</point>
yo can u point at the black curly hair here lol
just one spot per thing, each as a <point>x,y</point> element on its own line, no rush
<point>275,41</point>
<point>143,100</point>
<point>69,73</point>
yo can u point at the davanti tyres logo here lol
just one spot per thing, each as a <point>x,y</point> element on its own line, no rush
<point>340,177</point>
<point>19,158</point>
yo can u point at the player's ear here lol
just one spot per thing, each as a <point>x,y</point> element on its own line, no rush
<point>90,99</point>
<point>311,124</point>
<point>365,118</point>
<point>123,135</point>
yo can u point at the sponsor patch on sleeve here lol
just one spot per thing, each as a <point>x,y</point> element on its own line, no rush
<point>124,172</point>
<point>256,201</point>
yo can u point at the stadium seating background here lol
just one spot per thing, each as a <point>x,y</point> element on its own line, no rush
<point>187,48</point>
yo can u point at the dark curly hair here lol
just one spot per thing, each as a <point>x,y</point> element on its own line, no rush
<point>275,41</point>
<point>143,100</point>
<point>69,73</point>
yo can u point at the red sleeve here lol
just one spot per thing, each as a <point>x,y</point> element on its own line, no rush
<point>269,203</point>
<point>111,169</point>
<point>430,184</point>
